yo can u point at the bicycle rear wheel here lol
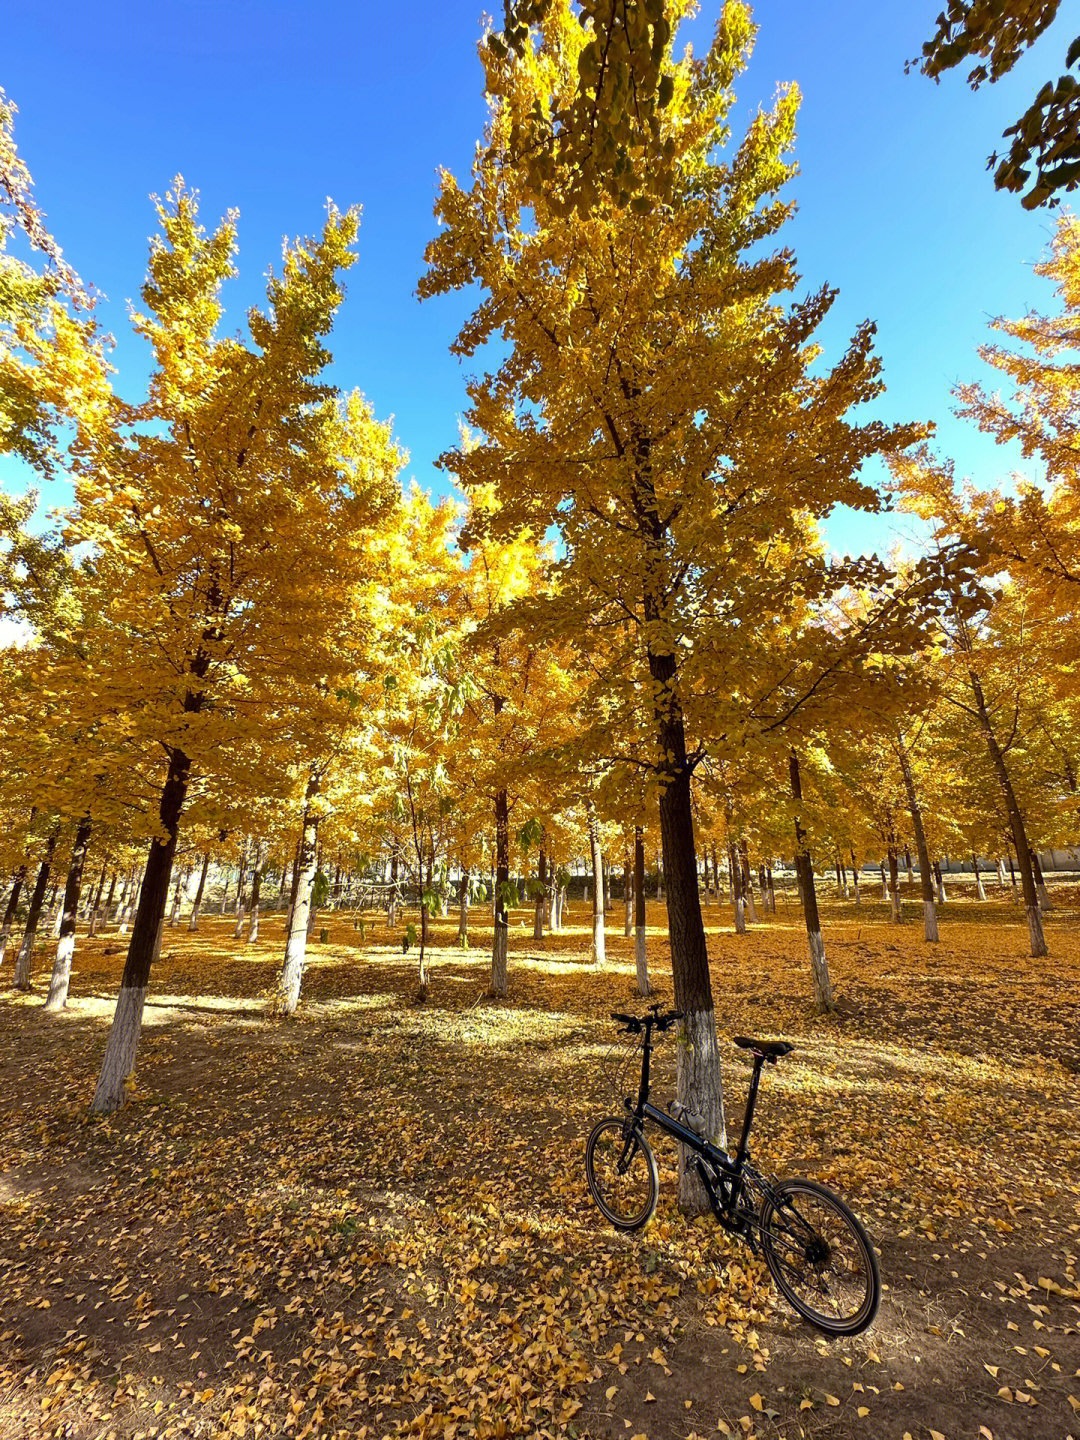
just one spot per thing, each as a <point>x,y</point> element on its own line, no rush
<point>820,1257</point>
<point>622,1175</point>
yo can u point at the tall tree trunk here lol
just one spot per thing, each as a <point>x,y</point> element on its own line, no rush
<point>25,958</point>
<point>894,884</point>
<point>11,909</point>
<point>292,968</point>
<point>463,910</point>
<point>1041,891</point>
<point>95,904</point>
<point>118,1065</point>
<point>907,863</point>
<point>61,974</point>
<point>598,955</point>
<point>178,890</point>
<point>641,958</point>
<point>698,1081</point>
<point>930,926</point>
<point>705,869</point>
<point>107,907</point>
<point>1036,938</point>
<point>747,882</point>
<point>54,909</point>
<point>541,895</point>
<point>120,918</point>
<point>884,885</point>
<point>804,869</point>
<point>193,920</point>
<point>628,893</point>
<point>659,878</point>
<point>241,893</point>
<point>425,891</point>
<point>717,882</point>
<point>771,886</point>
<point>501,937</point>
<point>855,877</point>
<point>256,888</point>
<point>1001,872</point>
<point>737,901</point>
<point>980,889</point>
<point>939,882</point>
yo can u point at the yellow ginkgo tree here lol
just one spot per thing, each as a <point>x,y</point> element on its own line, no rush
<point>231,518</point>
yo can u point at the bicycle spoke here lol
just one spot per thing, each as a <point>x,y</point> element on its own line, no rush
<point>818,1258</point>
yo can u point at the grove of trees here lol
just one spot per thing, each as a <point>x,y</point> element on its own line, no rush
<point>246,653</point>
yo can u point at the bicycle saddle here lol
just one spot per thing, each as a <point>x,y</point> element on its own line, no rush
<point>769,1049</point>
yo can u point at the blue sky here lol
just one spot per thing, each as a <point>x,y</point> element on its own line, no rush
<point>273,105</point>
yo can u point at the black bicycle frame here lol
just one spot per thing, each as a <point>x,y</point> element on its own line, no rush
<point>730,1167</point>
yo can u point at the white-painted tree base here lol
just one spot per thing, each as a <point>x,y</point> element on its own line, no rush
<point>60,979</point>
<point>641,962</point>
<point>1038,944</point>
<point>599,954</point>
<point>699,1089</point>
<point>930,930</point>
<point>823,994</point>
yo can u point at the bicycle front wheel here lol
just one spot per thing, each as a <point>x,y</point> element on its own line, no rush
<point>820,1257</point>
<point>622,1175</point>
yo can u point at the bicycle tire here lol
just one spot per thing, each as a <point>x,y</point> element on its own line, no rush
<point>799,1266</point>
<point>616,1152</point>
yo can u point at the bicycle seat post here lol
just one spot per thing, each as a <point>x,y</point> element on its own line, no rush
<point>751,1101</point>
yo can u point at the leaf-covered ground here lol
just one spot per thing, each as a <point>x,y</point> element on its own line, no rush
<point>372,1220</point>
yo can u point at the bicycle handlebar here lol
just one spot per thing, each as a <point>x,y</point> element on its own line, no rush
<point>634,1024</point>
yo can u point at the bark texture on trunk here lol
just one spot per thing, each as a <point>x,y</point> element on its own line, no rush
<point>541,895</point>
<point>60,979</point>
<point>598,953</point>
<point>699,1082</point>
<point>178,890</point>
<point>855,878</point>
<point>894,884</point>
<point>980,889</point>
<point>118,1066</point>
<point>747,882</point>
<point>193,920</point>
<point>737,901</point>
<point>804,870</point>
<point>501,937</point>
<point>641,959</point>
<point>256,889</point>
<point>463,910</point>
<point>11,909</point>
<point>1036,938</point>
<point>292,968</point>
<point>930,927</point>
<point>95,908</point>
<point>628,895</point>
<point>25,958</point>
<point>1041,891</point>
